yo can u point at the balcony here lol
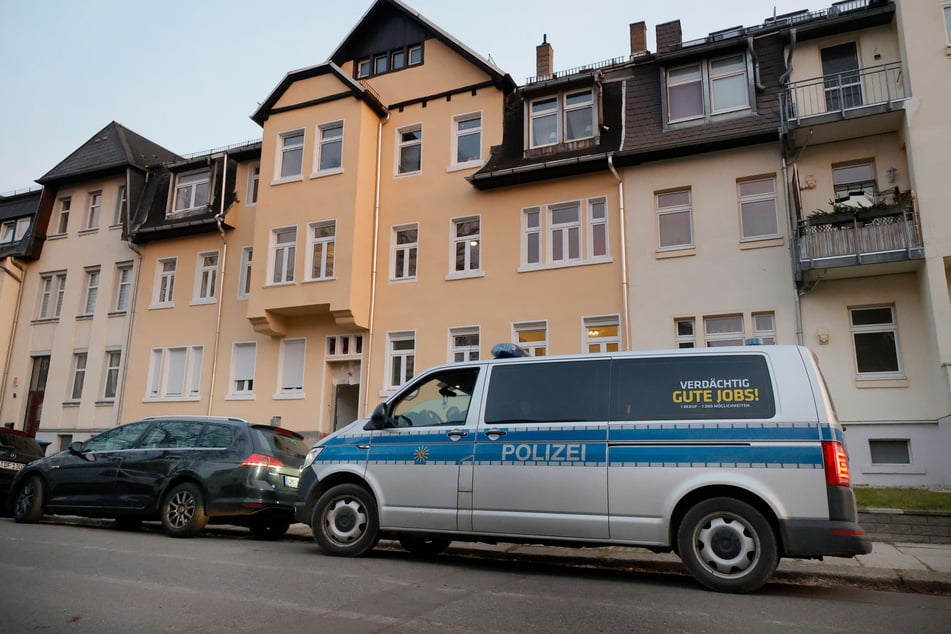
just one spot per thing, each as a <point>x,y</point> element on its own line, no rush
<point>854,241</point>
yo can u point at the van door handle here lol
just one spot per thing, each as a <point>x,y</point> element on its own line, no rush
<point>495,434</point>
<point>456,435</point>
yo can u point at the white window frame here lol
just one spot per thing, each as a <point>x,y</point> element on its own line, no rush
<point>469,245</point>
<point>111,374</point>
<point>243,367</point>
<point>206,278</point>
<point>757,199</point>
<point>287,148</point>
<point>93,211</point>
<point>565,236</point>
<point>713,339</point>
<point>402,361</point>
<point>535,347</point>
<point>323,142</point>
<point>671,210</point>
<point>164,287</point>
<point>77,376</point>
<point>13,230</point>
<point>546,232</point>
<point>409,251</point>
<point>460,133</point>
<point>187,191</point>
<point>592,338</point>
<point>707,77</point>
<point>344,346</point>
<point>402,145</point>
<point>560,110</point>
<point>891,328</point>
<point>244,272</point>
<point>121,201</point>
<point>286,273</point>
<point>52,291</point>
<point>326,244</point>
<point>291,354</point>
<point>91,292</point>
<point>842,185</point>
<point>946,9</point>
<point>461,348</point>
<point>186,360</point>
<point>685,332</point>
<point>123,287</point>
<point>254,182</point>
<point>62,221</point>
<point>764,327</point>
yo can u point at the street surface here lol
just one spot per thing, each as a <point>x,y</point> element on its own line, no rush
<point>57,577</point>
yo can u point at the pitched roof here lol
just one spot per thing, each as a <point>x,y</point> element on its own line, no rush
<point>115,147</point>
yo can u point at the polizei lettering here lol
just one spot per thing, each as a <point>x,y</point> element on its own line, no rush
<point>544,453</point>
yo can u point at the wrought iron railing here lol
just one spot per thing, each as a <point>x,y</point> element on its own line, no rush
<point>841,92</point>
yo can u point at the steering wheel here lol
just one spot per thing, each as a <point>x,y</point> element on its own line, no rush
<point>453,415</point>
<point>431,417</point>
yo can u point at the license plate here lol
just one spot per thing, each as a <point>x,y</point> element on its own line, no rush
<point>291,482</point>
<point>16,466</point>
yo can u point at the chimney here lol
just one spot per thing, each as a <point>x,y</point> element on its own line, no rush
<point>544,59</point>
<point>638,38</point>
<point>669,36</point>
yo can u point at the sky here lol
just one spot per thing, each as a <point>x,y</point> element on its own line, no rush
<point>188,74</point>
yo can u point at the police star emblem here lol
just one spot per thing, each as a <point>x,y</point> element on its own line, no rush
<point>421,455</point>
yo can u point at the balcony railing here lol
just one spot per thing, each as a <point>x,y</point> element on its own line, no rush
<point>840,93</point>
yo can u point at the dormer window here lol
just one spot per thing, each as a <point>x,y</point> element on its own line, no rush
<point>707,88</point>
<point>389,61</point>
<point>191,191</point>
<point>563,118</point>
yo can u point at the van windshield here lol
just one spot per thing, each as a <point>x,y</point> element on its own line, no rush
<point>439,399</point>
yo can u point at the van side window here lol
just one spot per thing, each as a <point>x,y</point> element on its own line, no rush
<point>439,399</point>
<point>692,388</point>
<point>549,392</point>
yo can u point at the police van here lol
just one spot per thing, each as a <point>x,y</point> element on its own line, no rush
<point>730,457</point>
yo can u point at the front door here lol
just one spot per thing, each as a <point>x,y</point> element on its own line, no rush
<point>346,401</point>
<point>34,400</point>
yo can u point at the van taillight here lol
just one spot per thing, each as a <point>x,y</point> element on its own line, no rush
<point>836,463</point>
<point>260,460</point>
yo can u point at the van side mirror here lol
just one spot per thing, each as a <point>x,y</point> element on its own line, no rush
<point>377,418</point>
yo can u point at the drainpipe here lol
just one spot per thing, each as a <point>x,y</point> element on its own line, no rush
<point>625,285</point>
<point>797,310</point>
<point>219,219</point>
<point>365,380</point>
<point>18,278</point>
<point>121,388</point>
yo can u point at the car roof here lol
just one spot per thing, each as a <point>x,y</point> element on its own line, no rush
<point>199,419</point>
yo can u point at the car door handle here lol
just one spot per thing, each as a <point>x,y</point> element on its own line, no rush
<point>457,434</point>
<point>495,434</point>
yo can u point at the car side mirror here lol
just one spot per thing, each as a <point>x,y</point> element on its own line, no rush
<point>378,419</point>
<point>76,447</point>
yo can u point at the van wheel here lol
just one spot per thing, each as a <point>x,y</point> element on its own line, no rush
<point>183,512</point>
<point>424,546</point>
<point>28,506</point>
<point>345,521</point>
<point>727,545</point>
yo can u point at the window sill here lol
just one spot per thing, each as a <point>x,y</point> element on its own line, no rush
<point>675,253</point>
<point>170,399</point>
<point>83,317</point>
<point>287,179</point>
<point>295,396</point>
<point>109,403</point>
<point>320,279</point>
<point>464,276</point>
<point>906,469</point>
<point>162,305</point>
<point>56,236</point>
<point>468,165</point>
<point>86,232</point>
<point>45,320</point>
<point>525,268</point>
<point>279,284</point>
<point>407,174</point>
<point>118,313</point>
<point>70,403</point>
<point>330,172</point>
<point>202,302</point>
<point>240,397</point>
<point>761,243</point>
<point>115,227</point>
<point>402,280</point>
<point>865,383</point>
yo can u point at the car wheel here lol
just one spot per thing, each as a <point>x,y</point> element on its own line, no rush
<point>424,546</point>
<point>727,545</point>
<point>269,530</point>
<point>128,523</point>
<point>183,511</point>
<point>28,506</point>
<point>345,521</point>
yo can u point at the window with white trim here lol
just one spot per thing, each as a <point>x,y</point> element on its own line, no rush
<point>283,254</point>
<point>320,255</point>
<point>466,246</point>
<point>723,330</point>
<point>291,380</point>
<point>759,218</point>
<point>565,234</point>
<point>123,287</point>
<point>79,376</point>
<point>686,333</point>
<point>243,361</point>
<point>244,273</point>
<point>330,148</point>
<point>91,291</point>
<point>52,290</point>
<point>602,334</point>
<point>404,251</point>
<point>946,8</point>
<point>875,342</point>
<point>191,191</point>
<point>890,451</point>
<point>110,381</point>
<point>175,373</point>
<point>13,230</point>
<point>854,179</point>
<point>206,277</point>
<point>62,223</point>
<point>532,336</point>
<point>349,346</point>
<point>164,281</point>
<point>563,118</point>
<point>400,358</point>
<point>121,201</point>
<point>674,220</point>
<point>92,213</point>
<point>467,139</point>
<point>409,149</point>
<point>764,327</point>
<point>712,87</point>
<point>464,344</point>
<point>290,159</point>
<point>254,180</point>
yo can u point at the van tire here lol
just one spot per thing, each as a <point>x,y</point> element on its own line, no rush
<point>345,521</point>
<point>727,545</point>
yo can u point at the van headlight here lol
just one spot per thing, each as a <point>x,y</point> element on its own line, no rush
<point>311,456</point>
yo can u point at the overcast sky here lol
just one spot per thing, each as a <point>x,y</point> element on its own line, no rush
<point>188,74</point>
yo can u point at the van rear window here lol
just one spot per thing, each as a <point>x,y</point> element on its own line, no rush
<point>692,388</point>
<point>548,392</point>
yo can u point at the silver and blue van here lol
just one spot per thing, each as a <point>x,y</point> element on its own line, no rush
<point>731,457</point>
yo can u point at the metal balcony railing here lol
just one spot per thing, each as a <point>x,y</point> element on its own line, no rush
<point>863,236</point>
<point>881,85</point>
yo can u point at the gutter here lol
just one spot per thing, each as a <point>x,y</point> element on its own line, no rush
<point>625,282</point>
<point>222,267</point>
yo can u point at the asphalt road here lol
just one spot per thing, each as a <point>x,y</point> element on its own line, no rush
<point>56,577</point>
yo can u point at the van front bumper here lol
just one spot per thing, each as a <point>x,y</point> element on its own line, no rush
<point>818,538</point>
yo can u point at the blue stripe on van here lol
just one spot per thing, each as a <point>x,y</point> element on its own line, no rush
<point>718,432</point>
<point>746,456</point>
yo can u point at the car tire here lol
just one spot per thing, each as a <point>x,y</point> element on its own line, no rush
<point>424,546</point>
<point>183,511</point>
<point>727,545</point>
<point>125,523</point>
<point>269,530</point>
<point>345,521</point>
<point>28,504</point>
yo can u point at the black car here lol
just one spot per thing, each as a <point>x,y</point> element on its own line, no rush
<point>17,449</point>
<point>186,471</point>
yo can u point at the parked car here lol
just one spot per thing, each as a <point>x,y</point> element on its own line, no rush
<point>186,471</point>
<point>17,449</point>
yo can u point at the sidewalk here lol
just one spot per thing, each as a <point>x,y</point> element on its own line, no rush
<point>905,567</point>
